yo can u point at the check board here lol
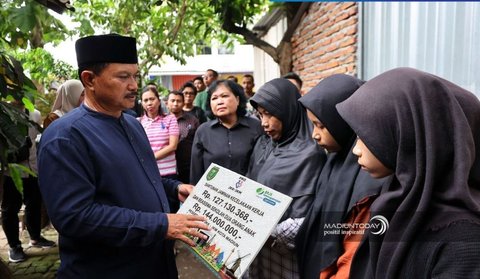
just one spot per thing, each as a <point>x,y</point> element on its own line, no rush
<point>241,212</point>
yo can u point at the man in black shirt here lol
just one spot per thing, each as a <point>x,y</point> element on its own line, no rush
<point>187,125</point>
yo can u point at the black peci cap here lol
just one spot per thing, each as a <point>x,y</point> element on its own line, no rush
<point>111,48</point>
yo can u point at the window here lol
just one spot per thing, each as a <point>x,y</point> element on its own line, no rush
<point>225,50</point>
<point>203,48</point>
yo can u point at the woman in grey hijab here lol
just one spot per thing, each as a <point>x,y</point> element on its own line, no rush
<point>288,160</point>
<point>69,96</point>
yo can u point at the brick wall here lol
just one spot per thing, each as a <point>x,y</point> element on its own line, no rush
<point>325,42</point>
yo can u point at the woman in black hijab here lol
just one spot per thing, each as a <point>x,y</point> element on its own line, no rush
<point>287,160</point>
<point>344,192</point>
<point>426,131</point>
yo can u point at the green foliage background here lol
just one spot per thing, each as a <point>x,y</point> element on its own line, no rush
<point>161,27</point>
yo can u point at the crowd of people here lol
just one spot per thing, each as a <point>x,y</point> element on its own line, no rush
<point>396,156</point>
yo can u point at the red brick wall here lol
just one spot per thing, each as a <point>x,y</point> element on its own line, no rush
<point>325,42</point>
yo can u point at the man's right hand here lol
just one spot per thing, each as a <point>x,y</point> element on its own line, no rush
<point>181,225</point>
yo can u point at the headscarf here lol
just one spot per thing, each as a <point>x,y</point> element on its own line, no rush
<point>426,129</point>
<point>321,101</point>
<point>68,95</point>
<point>292,164</point>
<point>342,183</point>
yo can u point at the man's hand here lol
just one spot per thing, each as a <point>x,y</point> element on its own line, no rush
<point>184,191</point>
<point>181,225</point>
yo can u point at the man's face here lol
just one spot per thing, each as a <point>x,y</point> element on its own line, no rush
<point>189,95</point>
<point>247,83</point>
<point>115,88</point>
<point>208,78</point>
<point>175,103</point>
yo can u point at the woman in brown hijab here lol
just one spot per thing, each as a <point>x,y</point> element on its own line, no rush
<point>426,131</point>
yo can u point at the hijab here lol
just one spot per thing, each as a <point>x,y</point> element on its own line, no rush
<point>342,183</point>
<point>292,164</point>
<point>425,129</point>
<point>68,95</point>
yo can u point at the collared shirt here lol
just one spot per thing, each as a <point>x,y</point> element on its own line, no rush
<point>105,196</point>
<point>188,125</point>
<point>198,113</point>
<point>357,216</point>
<point>159,130</point>
<point>230,148</point>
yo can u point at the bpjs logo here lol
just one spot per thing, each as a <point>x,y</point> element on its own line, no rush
<point>266,196</point>
<point>379,225</point>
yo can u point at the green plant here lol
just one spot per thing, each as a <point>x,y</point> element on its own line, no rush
<point>14,85</point>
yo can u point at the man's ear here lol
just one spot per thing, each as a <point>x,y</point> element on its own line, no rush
<point>88,78</point>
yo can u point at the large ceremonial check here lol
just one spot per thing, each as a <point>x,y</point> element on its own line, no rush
<point>241,213</point>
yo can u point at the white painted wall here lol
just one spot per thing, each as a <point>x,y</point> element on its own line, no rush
<point>239,62</point>
<point>265,69</point>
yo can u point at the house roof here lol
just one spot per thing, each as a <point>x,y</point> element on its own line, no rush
<point>268,20</point>
<point>58,6</point>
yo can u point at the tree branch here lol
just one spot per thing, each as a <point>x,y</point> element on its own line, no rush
<point>280,54</point>
<point>173,34</point>
<point>251,38</point>
<point>178,25</point>
<point>295,22</point>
